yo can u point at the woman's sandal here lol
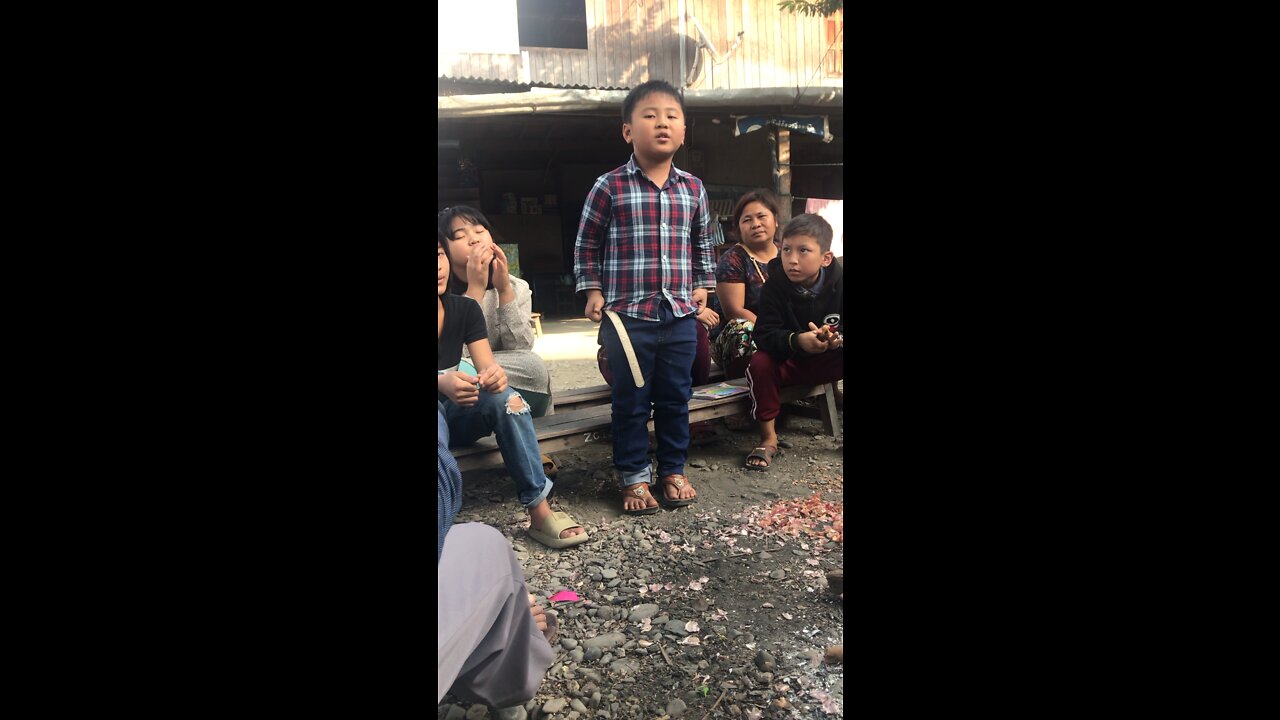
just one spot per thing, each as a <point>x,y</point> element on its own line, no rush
<point>640,490</point>
<point>678,482</point>
<point>765,453</point>
<point>556,523</point>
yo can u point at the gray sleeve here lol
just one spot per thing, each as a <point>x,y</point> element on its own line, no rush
<point>509,328</point>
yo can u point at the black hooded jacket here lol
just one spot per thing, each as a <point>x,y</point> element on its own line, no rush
<point>785,310</point>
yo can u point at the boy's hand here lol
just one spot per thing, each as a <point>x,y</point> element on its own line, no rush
<point>595,305</point>
<point>493,379</point>
<point>826,336</point>
<point>700,297</point>
<point>708,318</point>
<point>459,387</point>
<point>810,343</point>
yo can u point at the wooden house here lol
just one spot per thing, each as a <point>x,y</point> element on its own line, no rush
<point>529,98</point>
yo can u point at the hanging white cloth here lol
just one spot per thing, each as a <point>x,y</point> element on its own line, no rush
<point>833,212</point>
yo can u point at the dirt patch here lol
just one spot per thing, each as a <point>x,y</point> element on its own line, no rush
<point>719,607</point>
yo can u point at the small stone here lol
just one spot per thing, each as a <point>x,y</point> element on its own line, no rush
<point>624,666</point>
<point>576,704</point>
<point>595,699</point>
<point>676,708</point>
<point>766,555</point>
<point>698,463</point>
<point>577,655</point>
<point>765,662</point>
<point>609,574</point>
<point>735,711</point>
<point>512,713</point>
<point>778,574</point>
<point>478,711</point>
<point>592,654</point>
<point>554,706</point>
<point>605,641</point>
<point>455,713</point>
<point>568,643</point>
<point>676,627</point>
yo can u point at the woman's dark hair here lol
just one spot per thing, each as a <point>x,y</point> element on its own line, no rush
<point>764,197</point>
<point>443,224</point>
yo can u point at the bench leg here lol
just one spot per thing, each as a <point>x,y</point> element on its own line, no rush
<point>827,411</point>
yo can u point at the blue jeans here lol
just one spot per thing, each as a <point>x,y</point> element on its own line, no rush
<point>665,351</point>
<point>517,440</point>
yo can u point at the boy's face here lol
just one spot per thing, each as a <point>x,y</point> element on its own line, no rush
<point>657,128</point>
<point>802,259</point>
<point>465,238</point>
<point>442,271</point>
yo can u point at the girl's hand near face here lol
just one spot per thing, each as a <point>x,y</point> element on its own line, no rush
<point>501,270</point>
<point>478,267</point>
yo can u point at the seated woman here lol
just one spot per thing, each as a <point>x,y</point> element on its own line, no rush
<point>480,272</point>
<point>740,275</point>
<point>476,402</point>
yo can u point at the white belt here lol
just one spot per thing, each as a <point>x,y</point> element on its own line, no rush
<point>626,347</point>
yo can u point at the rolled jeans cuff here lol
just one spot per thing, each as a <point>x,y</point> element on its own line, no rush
<point>546,489</point>
<point>643,475</point>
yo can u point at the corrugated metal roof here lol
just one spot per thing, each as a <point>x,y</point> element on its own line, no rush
<point>525,86</point>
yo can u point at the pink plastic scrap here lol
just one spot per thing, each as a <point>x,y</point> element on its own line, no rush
<point>565,596</point>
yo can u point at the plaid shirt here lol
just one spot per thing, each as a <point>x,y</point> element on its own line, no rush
<point>638,244</point>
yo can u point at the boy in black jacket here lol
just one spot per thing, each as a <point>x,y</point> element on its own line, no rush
<point>800,327</point>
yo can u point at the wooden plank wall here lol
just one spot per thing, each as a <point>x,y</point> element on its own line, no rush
<point>632,41</point>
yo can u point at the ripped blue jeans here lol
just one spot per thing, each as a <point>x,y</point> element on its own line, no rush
<point>517,440</point>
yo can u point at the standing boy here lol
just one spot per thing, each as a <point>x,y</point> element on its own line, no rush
<point>799,328</point>
<point>644,259</point>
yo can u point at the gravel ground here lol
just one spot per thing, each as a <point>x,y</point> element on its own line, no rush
<point>721,609</point>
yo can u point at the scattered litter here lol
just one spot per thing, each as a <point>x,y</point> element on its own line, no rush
<point>565,596</point>
<point>691,626</point>
<point>690,640</point>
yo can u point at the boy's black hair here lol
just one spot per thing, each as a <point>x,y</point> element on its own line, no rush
<point>643,90</point>
<point>444,222</point>
<point>810,225</point>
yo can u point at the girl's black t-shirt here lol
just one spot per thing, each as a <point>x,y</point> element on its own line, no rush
<point>463,325</point>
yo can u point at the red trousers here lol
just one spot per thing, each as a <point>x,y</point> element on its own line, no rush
<point>766,376</point>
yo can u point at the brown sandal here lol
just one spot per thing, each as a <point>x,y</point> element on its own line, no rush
<point>640,490</point>
<point>765,453</point>
<point>678,482</point>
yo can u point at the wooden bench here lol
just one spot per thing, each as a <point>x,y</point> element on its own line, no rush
<point>590,424</point>
<point>601,394</point>
<point>535,322</point>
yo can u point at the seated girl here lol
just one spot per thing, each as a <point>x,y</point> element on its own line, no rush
<point>477,404</point>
